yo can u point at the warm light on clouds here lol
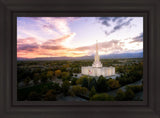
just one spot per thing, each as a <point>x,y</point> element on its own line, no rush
<point>76,36</point>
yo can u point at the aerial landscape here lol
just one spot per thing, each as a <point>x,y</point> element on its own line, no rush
<point>79,58</point>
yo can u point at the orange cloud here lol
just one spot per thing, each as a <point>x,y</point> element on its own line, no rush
<point>28,47</point>
<point>57,41</point>
<point>28,40</point>
<point>54,48</point>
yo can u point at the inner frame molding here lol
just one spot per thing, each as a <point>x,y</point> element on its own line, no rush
<point>143,14</point>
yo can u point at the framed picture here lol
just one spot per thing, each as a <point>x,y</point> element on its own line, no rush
<point>54,63</point>
<point>79,59</point>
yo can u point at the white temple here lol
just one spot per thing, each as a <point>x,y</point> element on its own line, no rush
<point>97,69</point>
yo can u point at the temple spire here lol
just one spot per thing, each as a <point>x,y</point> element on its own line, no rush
<point>96,58</point>
<point>96,48</point>
<point>97,62</point>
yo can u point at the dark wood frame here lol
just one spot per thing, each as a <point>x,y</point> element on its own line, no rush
<point>10,108</point>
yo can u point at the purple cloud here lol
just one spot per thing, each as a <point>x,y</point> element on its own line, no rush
<point>104,46</point>
<point>52,47</point>
<point>138,38</point>
<point>119,22</point>
<point>28,47</point>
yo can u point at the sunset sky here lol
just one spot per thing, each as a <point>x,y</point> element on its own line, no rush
<point>76,36</point>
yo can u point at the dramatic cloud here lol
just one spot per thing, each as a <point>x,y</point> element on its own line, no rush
<point>138,38</point>
<point>113,46</point>
<point>57,41</point>
<point>115,22</point>
<point>108,20</point>
<point>28,40</point>
<point>49,30</point>
<point>28,47</point>
<point>51,47</point>
<point>56,25</point>
<point>27,44</point>
<point>84,48</point>
<point>105,20</point>
<point>55,44</point>
<point>105,47</point>
<point>120,25</point>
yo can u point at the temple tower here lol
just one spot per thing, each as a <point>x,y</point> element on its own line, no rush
<point>96,62</point>
<point>96,69</point>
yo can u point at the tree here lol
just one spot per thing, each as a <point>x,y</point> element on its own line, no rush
<point>79,91</point>
<point>36,78</point>
<point>85,82</point>
<point>44,78</point>
<point>65,76</point>
<point>65,87</point>
<point>102,97</point>
<point>66,66</point>
<point>79,81</point>
<point>58,73</point>
<point>113,84</point>
<point>71,74</point>
<point>129,94</point>
<point>93,83</point>
<point>101,84</point>
<point>135,88</point>
<point>92,92</point>
<point>50,95</point>
<point>120,95</point>
<point>73,81</point>
<point>56,87</point>
<point>50,74</point>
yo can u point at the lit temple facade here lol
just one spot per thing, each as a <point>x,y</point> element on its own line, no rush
<point>97,68</point>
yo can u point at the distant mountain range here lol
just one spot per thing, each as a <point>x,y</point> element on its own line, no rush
<point>110,56</point>
<point>123,55</point>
